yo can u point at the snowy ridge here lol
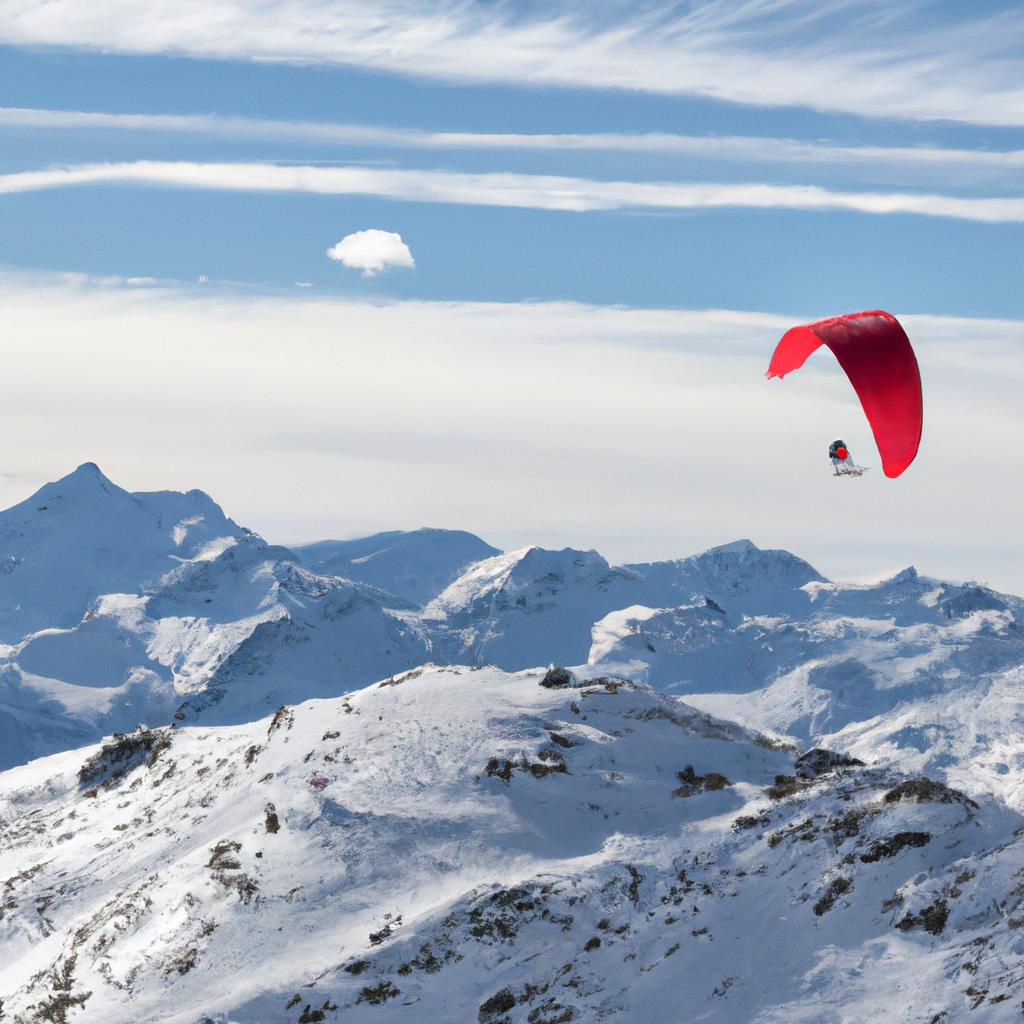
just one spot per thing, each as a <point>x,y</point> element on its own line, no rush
<point>458,844</point>
<point>741,577</point>
<point>415,565</point>
<point>505,609</point>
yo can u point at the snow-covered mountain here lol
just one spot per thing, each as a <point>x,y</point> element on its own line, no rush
<point>458,844</point>
<point>362,799</point>
<point>415,564</point>
<point>740,577</point>
<point>925,672</point>
<point>227,624</point>
<point>506,609</point>
<point>84,536</point>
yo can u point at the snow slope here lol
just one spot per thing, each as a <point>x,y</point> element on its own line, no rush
<point>416,564</point>
<point>232,636</point>
<point>533,603</point>
<point>922,672</point>
<point>458,844</point>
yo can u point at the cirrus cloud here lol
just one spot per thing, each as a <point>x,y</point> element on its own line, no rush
<point>921,60</point>
<point>372,251</point>
<point>524,191</point>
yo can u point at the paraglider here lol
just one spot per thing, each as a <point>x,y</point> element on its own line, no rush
<point>842,460</point>
<point>875,352</point>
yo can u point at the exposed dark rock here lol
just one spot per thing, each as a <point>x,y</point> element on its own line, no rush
<point>501,1002</point>
<point>836,888</point>
<point>377,994</point>
<point>500,768</point>
<point>931,918</point>
<point>311,1016</point>
<point>549,762</point>
<point>926,791</point>
<point>558,678</point>
<point>562,741</point>
<point>123,753</point>
<point>817,761</point>
<point>745,821</point>
<point>273,825</point>
<point>693,783</point>
<point>884,848</point>
<point>785,785</point>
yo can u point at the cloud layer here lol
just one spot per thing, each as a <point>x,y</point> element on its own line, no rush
<point>923,60</point>
<point>534,191</point>
<point>404,414</point>
<point>372,251</point>
<point>738,148</point>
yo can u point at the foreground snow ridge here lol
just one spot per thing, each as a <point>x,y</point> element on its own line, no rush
<point>460,844</point>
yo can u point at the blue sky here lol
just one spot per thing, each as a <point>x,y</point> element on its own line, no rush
<point>788,260</point>
<point>780,157</point>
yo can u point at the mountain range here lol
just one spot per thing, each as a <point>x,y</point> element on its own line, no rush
<point>412,777</point>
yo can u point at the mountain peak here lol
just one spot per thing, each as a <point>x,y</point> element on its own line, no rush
<point>88,474</point>
<point>84,483</point>
<point>907,575</point>
<point>738,547</point>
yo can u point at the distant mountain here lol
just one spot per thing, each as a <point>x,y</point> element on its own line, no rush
<point>416,565</point>
<point>505,610</point>
<point>512,608</point>
<point>740,577</point>
<point>83,536</point>
<point>124,608</point>
<point>232,637</point>
<point>461,845</point>
<point>924,670</point>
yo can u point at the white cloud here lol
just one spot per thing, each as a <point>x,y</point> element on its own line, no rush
<point>535,191</point>
<point>372,251</point>
<point>930,161</point>
<point>866,57</point>
<point>555,423</point>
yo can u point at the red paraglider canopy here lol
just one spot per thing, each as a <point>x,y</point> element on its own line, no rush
<point>875,352</point>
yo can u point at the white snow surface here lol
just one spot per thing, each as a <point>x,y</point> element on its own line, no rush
<point>344,794</point>
<point>416,565</point>
<point>454,840</point>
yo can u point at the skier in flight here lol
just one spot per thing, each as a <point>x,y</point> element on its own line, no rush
<point>841,458</point>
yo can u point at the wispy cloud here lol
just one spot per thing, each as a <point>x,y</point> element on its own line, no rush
<point>534,191</point>
<point>738,148</point>
<point>921,60</point>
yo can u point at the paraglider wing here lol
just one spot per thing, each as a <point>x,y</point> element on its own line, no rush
<point>875,352</point>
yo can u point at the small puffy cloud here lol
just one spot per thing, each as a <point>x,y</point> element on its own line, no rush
<point>372,251</point>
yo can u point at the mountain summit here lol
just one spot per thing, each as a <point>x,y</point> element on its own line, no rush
<point>82,536</point>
